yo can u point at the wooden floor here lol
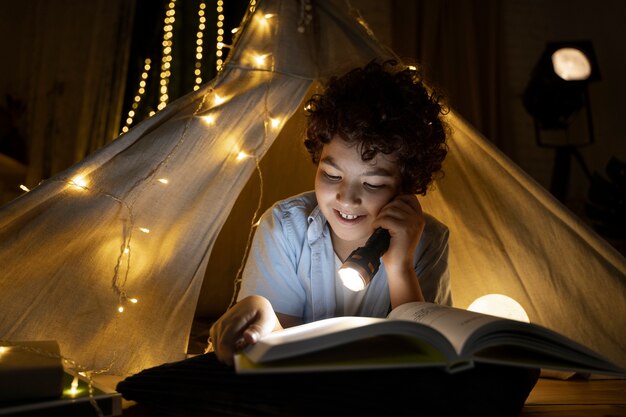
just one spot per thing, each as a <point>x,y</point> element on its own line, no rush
<point>577,398</point>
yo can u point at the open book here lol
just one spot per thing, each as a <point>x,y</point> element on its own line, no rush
<point>419,334</point>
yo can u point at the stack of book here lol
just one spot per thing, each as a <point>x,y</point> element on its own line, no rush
<point>33,382</point>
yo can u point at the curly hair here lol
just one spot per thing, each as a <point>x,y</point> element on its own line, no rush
<point>382,108</point>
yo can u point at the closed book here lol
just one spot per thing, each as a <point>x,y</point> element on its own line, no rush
<point>30,370</point>
<point>78,399</point>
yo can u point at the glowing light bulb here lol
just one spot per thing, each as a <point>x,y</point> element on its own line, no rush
<point>274,123</point>
<point>501,306</point>
<point>3,350</point>
<point>74,387</point>
<point>218,100</point>
<point>120,309</point>
<point>242,155</point>
<point>163,180</point>
<point>144,229</point>
<point>24,188</point>
<point>209,119</point>
<point>133,300</point>
<point>260,59</point>
<point>127,250</point>
<point>79,181</point>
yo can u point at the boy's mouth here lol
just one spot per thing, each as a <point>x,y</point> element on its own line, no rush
<point>347,217</point>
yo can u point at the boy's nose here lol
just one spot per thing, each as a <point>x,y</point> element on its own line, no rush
<point>348,196</point>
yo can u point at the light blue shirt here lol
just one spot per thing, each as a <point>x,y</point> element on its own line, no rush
<point>292,263</point>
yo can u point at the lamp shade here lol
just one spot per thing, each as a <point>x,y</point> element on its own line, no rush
<point>558,85</point>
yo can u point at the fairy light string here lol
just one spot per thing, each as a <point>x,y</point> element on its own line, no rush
<point>199,45</point>
<point>271,124</point>
<point>253,224</point>
<point>80,182</point>
<point>119,281</point>
<point>84,183</point>
<point>219,39</point>
<point>166,56</point>
<point>141,90</point>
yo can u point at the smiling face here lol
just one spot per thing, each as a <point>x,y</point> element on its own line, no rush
<point>350,192</point>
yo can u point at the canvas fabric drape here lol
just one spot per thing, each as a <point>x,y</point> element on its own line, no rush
<point>106,230</point>
<point>139,218</point>
<point>510,236</point>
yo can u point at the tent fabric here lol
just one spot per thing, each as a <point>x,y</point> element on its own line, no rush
<point>508,235</point>
<point>138,218</point>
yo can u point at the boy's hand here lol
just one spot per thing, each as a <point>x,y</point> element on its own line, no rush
<point>404,219</point>
<point>243,324</point>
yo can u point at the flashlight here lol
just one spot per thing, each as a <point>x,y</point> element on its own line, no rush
<point>363,263</point>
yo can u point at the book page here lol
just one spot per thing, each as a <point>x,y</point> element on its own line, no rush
<point>454,323</point>
<point>318,329</point>
<point>309,337</point>
<point>377,352</point>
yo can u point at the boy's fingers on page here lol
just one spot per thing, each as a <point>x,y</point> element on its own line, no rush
<point>240,344</point>
<point>262,324</point>
<point>258,329</point>
<point>228,333</point>
<point>251,335</point>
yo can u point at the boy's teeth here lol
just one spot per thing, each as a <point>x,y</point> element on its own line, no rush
<point>348,216</point>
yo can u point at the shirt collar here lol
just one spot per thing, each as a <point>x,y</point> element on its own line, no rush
<point>317,225</point>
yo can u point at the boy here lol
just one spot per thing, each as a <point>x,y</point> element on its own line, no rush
<point>377,138</point>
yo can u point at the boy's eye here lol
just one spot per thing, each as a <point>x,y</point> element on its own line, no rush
<point>332,177</point>
<point>373,186</point>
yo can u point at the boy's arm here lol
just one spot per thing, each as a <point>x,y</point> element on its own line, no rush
<point>404,219</point>
<point>404,287</point>
<point>244,324</point>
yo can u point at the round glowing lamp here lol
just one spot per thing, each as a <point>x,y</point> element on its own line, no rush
<point>571,64</point>
<point>501,306</point>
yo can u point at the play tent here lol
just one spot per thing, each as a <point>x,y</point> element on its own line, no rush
<point>109,256</point>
